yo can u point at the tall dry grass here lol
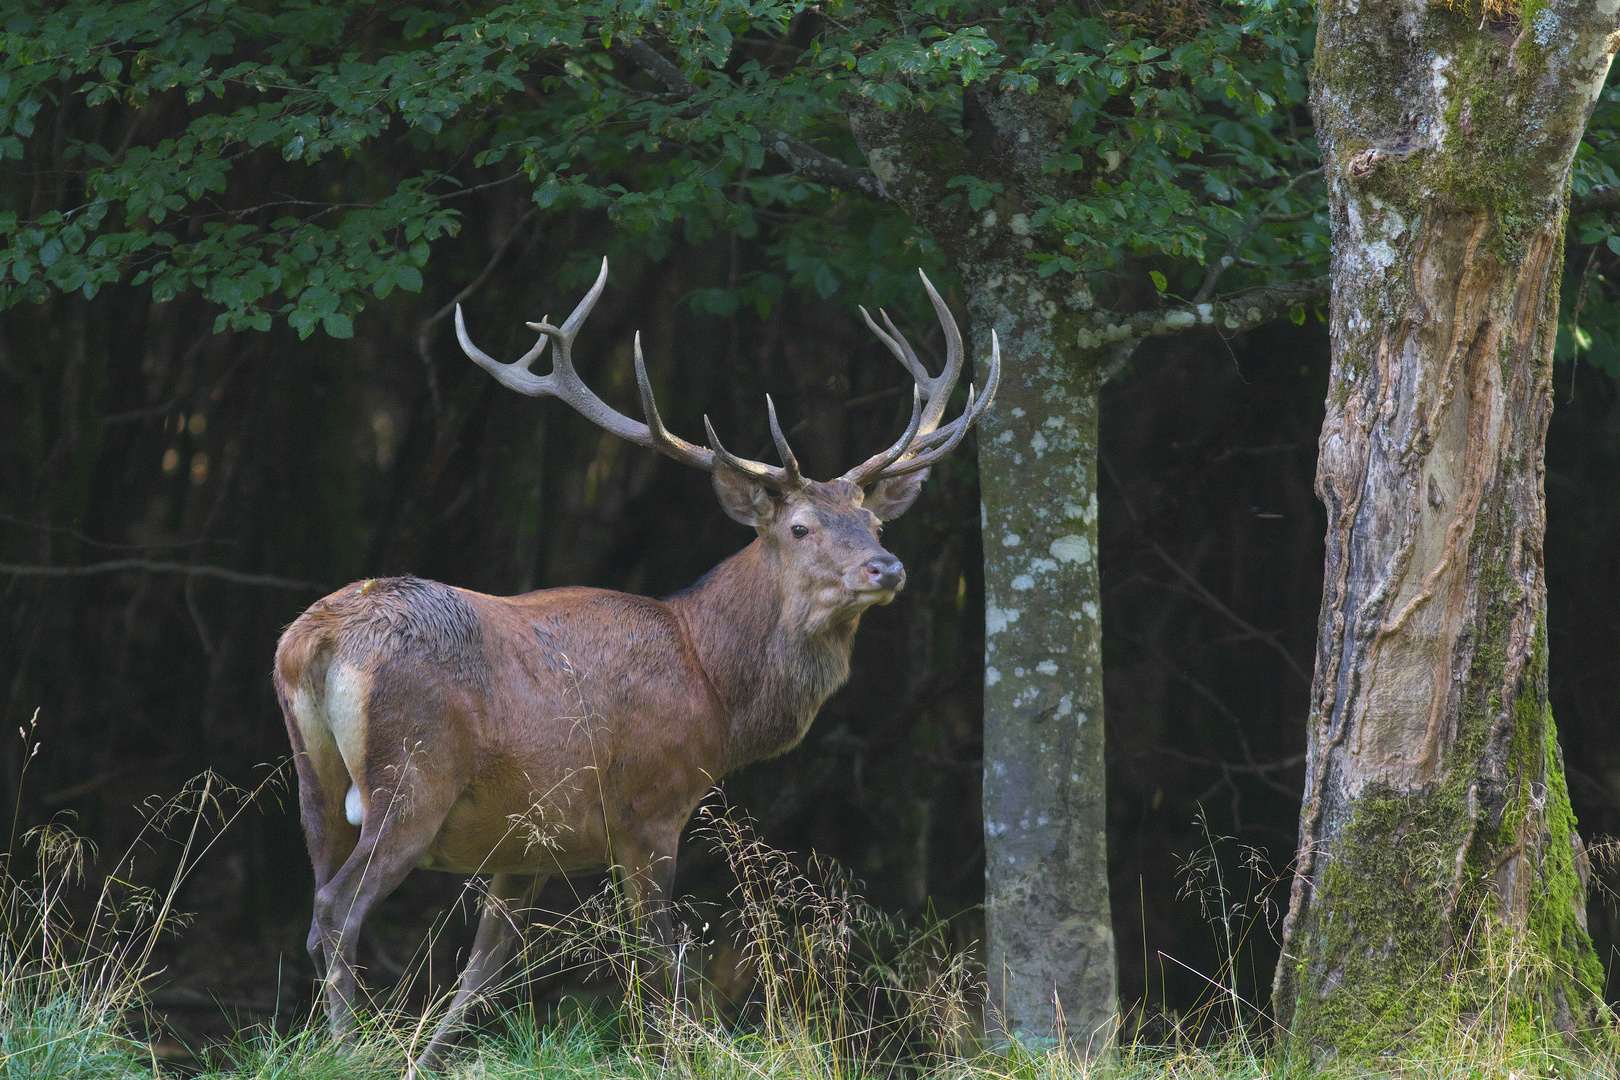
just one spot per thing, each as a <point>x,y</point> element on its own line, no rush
<point>834,989</point>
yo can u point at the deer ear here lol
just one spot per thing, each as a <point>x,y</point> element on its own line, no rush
<point>890,498</point>
<point>743,498</point>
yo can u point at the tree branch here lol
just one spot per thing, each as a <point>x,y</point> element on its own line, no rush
<point>1233,313</point>
<point>115,566</point>
<point>101,780</point>
<point>1603,199</point>
<point>802,158</point>
<point>1217,268</point>
<point>1256,768</point>
<point>1243,624</point>
<point>424,332</point>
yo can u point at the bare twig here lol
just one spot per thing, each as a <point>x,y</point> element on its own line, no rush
<point>424,333</point>
<point>801,157</point>
<point>1217,268</point>
<point>186,399</point>
<point>1258,768</point>
<point>63,530</point>
<point>101,780</point>
<point>1575,319</point>
<point>1284,219</point>
<point>1214,602</point>
<point>115,566</point>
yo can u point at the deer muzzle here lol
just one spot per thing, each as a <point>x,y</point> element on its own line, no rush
<point>883,573</point>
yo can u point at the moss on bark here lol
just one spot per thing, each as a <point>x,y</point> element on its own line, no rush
<point>1461,906</point>
<point>1441,886</point>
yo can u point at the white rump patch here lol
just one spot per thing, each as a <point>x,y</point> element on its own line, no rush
<point>347,691</point>
<point>354,808</point>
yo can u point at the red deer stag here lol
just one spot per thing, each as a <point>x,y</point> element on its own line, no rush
<point>575,729</point>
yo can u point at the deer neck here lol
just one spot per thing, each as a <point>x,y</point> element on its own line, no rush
<point>771,670</point>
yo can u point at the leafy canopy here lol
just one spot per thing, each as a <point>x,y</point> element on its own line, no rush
<point>1589,326</point>
<point>294,159</point>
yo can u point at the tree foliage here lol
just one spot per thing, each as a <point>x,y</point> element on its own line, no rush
<point>1185,140</point>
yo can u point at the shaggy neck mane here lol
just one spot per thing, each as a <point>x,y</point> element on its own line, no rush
<point>771,672</point>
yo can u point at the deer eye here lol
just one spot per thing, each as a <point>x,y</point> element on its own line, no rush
<point>800,531</point>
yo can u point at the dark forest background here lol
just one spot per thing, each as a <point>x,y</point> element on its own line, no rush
<point>237,476</point>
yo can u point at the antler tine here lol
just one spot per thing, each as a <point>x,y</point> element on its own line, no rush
<point>936,390</point>
<point>562,381</point>
<point>513,376</point>
<point>790,464</point>
<point>770,475</point>
<point>922,438</point>
<point>869,470</point>
<point>662,439</point>
<point>932,447</point>
<point>897,344</point>
<point>976,409</point>
<point>571,325</point>
<point>953,435</point>
<point>562,360</point>
<point>939,390</point>
<point>923,433</point>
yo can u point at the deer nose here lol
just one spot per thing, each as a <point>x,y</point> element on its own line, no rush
<point>885,572</point>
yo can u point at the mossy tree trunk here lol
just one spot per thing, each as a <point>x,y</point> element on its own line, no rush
<point>1440,876</point>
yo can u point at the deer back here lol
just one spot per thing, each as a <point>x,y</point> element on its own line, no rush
<point>552,718</point>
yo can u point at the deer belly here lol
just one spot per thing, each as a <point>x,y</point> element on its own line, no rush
<point>486,834</point>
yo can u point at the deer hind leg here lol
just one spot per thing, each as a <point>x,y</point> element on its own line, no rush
<point>398,831</point>
<point>322,781</point>
<point>506,911</point>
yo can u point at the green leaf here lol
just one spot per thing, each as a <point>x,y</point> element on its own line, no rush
<point>826,281</point>
<point>713,301</point>
<point>1159,281</point>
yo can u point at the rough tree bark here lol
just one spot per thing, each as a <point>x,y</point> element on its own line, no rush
<point>1440,876</point>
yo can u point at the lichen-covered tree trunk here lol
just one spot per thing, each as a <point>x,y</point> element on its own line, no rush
<point>1051,942</point>
<point>1440,877</point>
<point>1048,922</point>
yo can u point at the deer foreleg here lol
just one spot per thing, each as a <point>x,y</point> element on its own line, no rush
<point>649,887</point>
<point>506,910</point>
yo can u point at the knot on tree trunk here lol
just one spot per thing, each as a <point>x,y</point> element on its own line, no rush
<point>1363,164</point>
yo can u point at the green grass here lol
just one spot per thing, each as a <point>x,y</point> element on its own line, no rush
<point>584,1052</point>
<point>840,992</point>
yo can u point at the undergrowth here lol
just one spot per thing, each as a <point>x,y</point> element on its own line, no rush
<point>836,990</point>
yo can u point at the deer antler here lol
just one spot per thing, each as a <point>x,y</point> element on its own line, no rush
<point>564,383</point>
<point>924,441</point>
<point>785,478</point>
<point>922,444</point>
